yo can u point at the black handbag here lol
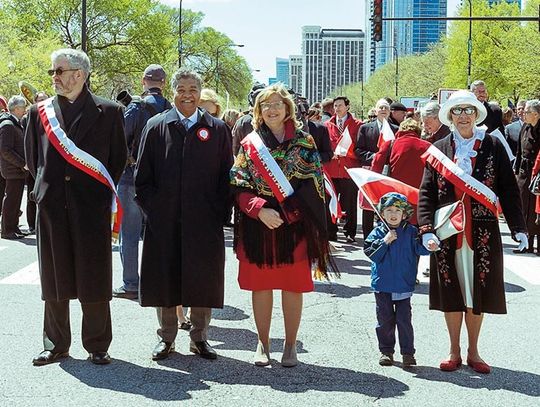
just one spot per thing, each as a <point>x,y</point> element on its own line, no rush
<point>534,186</point>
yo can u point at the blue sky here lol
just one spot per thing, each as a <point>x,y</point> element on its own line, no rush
<point>272,28</point>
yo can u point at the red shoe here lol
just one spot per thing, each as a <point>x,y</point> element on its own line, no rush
<point>479,367</point>
<point>450,365</point>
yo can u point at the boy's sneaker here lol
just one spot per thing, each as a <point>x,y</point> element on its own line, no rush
<point>386,359</point>
<point>408,360</point>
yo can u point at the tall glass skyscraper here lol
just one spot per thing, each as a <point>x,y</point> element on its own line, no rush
<point>406,37</point>
<point>282,70</point>
<point>518,2</point>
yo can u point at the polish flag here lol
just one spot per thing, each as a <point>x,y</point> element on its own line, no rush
<point>386,134</point>
<point>345,145</point>
<point>374,185</point>
<point>333,206</point>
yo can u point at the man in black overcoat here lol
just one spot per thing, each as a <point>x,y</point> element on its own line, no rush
<point>74,209</point>
<point>182,185</point>
<point>366,148</point>
<point>493,119</point>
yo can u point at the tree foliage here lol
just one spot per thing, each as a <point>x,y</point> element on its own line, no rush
<point>124,36</point>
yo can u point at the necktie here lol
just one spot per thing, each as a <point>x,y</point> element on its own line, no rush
<point>340,125</point>
<point>186,122</point>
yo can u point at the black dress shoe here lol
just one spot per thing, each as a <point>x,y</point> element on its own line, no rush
<point>99,358</point>
<point>523,251</point>
<point>203,349</point>
<point>12,236</point>
<point>162,350</point>
<point>46,357</point>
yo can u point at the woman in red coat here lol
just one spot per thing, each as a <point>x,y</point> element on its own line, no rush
<point>277,241</point>
<point>403,156</point>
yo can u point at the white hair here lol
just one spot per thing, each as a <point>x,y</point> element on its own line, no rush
<point>381,102</point>
<point>431,109</point>
<point>533,104</point>
<point>16,101</point>
<point>76,59</point>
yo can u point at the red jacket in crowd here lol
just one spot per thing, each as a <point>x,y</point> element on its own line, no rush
<point>336,166</point>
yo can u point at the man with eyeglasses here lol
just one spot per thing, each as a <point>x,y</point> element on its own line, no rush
<point>182,185</point>
<point>76,150</point>
<point>367,147</point>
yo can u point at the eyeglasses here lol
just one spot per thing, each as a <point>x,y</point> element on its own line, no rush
<point>60,71</point>
<point>275,105</point>
<point>469,110</point>
<point>372,117</point>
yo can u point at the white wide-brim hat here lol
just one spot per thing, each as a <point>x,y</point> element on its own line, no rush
<point>462,97</point>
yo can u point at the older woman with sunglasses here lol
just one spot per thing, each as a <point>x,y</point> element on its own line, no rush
<point>466,274</point>
<point>280,232</point>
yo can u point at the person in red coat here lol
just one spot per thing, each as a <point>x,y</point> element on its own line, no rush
<point>403,155</point>
<point>335,168</point>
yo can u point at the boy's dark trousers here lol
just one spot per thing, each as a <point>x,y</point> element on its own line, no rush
<point>389,315</point>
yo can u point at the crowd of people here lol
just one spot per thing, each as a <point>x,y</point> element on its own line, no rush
<point>174,173</point>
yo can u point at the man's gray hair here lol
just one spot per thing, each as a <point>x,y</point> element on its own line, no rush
<point>521,103</point>
<point>533,104</point>
<point>16,101</point>
<point>430,109</point>
<point>184,73</point>
<point>475,84</point>
<point>76,59</point>
<point>381,102</point>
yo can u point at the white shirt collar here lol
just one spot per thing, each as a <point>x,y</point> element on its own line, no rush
<point>193,118</point>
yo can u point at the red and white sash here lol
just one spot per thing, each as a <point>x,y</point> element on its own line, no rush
<point>459,178</point>
<point>267,166</point>
<point>79,158</point>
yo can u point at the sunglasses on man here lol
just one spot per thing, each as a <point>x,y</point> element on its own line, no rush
<point>60,71</point>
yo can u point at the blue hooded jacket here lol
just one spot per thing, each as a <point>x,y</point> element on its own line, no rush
<point>394,266</point>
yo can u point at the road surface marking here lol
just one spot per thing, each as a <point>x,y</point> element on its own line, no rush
<point>26,275</point>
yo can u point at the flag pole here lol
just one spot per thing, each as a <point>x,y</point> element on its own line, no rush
<point>375,209</point>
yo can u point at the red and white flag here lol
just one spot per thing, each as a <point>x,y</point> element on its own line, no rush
<point>386,134</point>
<point>345,145</point>
<point>374,185</point>
<point>333,204</point>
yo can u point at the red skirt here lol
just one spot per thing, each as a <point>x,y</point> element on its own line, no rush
<point>294,277</point>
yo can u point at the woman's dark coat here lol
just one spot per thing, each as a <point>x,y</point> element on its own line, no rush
<point>74,209</point>
<point>492,168</point>
<point>527,150</point>
<point>182,185</point>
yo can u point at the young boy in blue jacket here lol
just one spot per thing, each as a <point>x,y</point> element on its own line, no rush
<point>393,247</point>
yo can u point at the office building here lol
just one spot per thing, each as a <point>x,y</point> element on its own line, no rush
<point>295,73</point>
<point>282,70</point>
<point>331,59</point>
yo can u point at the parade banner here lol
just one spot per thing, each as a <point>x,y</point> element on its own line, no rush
<point>460,179</point>
<point>268,167</point>
<point>79,158</point>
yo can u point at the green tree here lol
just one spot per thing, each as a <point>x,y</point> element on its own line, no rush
<point>124,36</point>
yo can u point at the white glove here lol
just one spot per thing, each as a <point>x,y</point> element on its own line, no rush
<point>523,241</point>
<point>426,237</point>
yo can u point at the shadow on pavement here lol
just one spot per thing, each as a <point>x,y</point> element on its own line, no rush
<point>358,267</point>
<point>229,313</point>
<point>514,381</point>
<point>340,290</point>
<point>244,339</point>
<point>186,374</point>
<point>513,288</point>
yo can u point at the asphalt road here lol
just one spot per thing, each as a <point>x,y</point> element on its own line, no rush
<point>337,348</point>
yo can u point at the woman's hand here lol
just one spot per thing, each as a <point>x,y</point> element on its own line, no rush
<point>270,218</point>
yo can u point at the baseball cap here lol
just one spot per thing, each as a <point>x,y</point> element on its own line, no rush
<point>154,72</point>
<point>398,106</point>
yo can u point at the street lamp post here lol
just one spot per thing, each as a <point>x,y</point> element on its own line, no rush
<point>218,49</point>
<point>83,27</point>
<point>180,35</point>
<point>469,46</point>
<point>396,57</point>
